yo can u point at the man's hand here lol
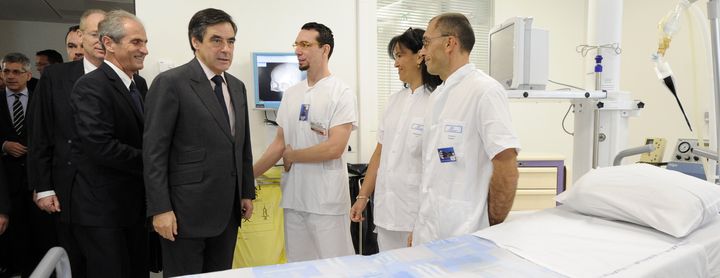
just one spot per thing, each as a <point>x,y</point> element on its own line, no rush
<point>165,225</point>
<point>287,160</point>
<point>4,221</point>
<point>14,148</point>
<point>357,210</point>
<point>49,204</point>
<point>247,208</point>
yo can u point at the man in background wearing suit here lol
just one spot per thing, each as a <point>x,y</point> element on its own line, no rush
<point>108,195</point>
<point>73,43</point>
<point>51,170</point>
<point>197,155</point>
<point>4,211</point>
<point>32,231</point>
<point>4,201</point>
<point>44,58</point>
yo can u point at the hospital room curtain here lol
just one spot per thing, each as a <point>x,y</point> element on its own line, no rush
<point>395,16</point>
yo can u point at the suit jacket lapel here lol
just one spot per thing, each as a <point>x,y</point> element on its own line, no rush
<point>202,88</point>
<point>123,91</point>
<point>77,71</point>
<point>4,110</point>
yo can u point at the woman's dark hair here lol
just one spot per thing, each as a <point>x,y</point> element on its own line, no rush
<point>412,40</point>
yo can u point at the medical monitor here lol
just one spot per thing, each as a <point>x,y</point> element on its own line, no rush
<point>519,55</point>
<point>273,73</point>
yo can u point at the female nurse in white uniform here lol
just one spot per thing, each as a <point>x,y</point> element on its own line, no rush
<point>395,167</point>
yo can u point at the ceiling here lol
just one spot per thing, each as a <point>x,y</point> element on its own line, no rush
<point>60,11</point>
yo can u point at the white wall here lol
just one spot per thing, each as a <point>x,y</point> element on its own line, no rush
<point>268,26</point>
<point>661,116</point>
<point>538,124</point>
<point>28,37</point>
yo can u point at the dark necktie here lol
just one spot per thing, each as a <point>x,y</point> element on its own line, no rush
<point>137,99</point>
<point>18,115</point>
<point>218,80</point>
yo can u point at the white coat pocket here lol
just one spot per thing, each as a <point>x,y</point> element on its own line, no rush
<point>414,136</point>
<point>452,137</point>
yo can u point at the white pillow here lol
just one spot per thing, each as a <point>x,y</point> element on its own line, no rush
<point>666,200</point>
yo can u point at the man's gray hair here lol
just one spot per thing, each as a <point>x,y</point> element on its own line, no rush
<point>16,57</point>
<point>86,14</point>
<point>112,25</point>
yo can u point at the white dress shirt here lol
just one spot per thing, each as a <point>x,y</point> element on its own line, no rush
<point>226,94</point>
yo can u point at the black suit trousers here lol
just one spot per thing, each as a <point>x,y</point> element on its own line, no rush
<point>186,256</point>
<point>30,234</point>
<point>68,241</point>
<point>113,251</point>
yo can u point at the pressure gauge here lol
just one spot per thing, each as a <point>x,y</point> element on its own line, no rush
<point>684,147</point>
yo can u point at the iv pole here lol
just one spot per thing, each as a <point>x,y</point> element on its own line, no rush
<point>713,11</point>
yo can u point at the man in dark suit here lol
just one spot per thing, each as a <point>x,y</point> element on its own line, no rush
<point>32,231</point>
<point>51,170</point>
<point>32,83</point>
<point>107,197</point>
<point>44,58</point>
<point>197,155</point>
<point>4,200</point>
<point>4,214</point>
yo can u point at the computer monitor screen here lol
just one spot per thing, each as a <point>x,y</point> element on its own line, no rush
<point>519,54</point>
<point>274,73</point>
<point>502,60</point>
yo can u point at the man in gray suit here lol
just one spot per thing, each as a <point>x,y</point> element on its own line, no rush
<point>197,155</point>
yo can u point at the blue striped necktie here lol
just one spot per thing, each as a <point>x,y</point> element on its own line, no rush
<point>18,115</point>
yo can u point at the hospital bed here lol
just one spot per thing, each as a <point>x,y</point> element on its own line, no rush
<point>556,242</point>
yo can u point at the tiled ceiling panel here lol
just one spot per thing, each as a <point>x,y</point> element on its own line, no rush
<point>62,11</point>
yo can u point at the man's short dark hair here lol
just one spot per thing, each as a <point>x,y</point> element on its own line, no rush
<point>202,19</point>
<point>53,56</point>
<point>73,28</point>
<point>16,57</point>
<point>456,24</point>
<point>325,35</point>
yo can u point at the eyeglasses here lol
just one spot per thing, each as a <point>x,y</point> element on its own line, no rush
<point>304,44</point>
<point>14,72</point>
<point>426,41</point>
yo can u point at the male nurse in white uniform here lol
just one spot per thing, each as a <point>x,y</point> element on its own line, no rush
<point>469,147</point>
<point>315,119</point>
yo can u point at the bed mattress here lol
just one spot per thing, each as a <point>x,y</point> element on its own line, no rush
<point>577,245</point>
